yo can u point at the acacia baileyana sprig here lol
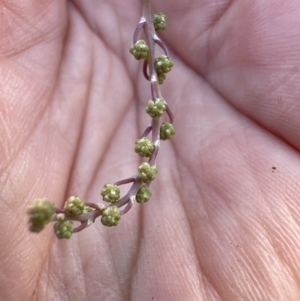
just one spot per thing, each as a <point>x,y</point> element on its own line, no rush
<point>42,211</point>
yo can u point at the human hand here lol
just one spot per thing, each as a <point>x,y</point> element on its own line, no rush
<point>222,224</point>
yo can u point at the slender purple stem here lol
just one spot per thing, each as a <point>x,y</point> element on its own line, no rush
<point>147,131</point>
<point>153,91</point>
<point>125,181</point>
<point>145,70</point>
<point>155,129</point>
<point>92,205</point>
<point>122,201</point>
<point>154,155</point>
<point>170,114</point>
<point>90,216</point>
<point>162,45</point>
<point>138,30</point>
<point>81,227</point>
<point>128,207</point>
<point>132,192</point>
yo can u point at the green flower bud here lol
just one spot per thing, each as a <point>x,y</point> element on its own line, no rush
<point>144,147</point>
<point>140,50</point>
<point>111,216</point>
<point>159,21</point>
<point>40,213</point>
<point>110,193</point>
<point>143,195</point>
<point>147,172</point>
<point>157,108</point>
<point>167,131</point>
<point>161,77</point>
<point>163,64</point>
<point>63,229</point>
<point>74,206</point>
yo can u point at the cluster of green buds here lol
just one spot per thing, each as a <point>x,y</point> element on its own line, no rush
<point>140,50</point>
<point>40,214</point>
<point>143,195</point>
<point>42,211</point>
<point>147,172</point>
<point>63,229</point>
<point>74,206</point>
<point>163,65</point>
<point>167,131</point>
<point>159,21</point>
<point>111,216</point>
<point>110,193</point>
<point>144,147</point>
<point>156,108</point>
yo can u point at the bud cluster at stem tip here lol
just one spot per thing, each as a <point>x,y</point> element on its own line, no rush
<point>40,213</point>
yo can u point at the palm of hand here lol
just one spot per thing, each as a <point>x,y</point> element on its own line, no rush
<point>222,224</point>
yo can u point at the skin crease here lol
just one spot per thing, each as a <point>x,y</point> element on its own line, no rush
<point>222,224</point>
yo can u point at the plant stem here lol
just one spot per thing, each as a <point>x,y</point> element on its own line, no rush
<point>155,90</point>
